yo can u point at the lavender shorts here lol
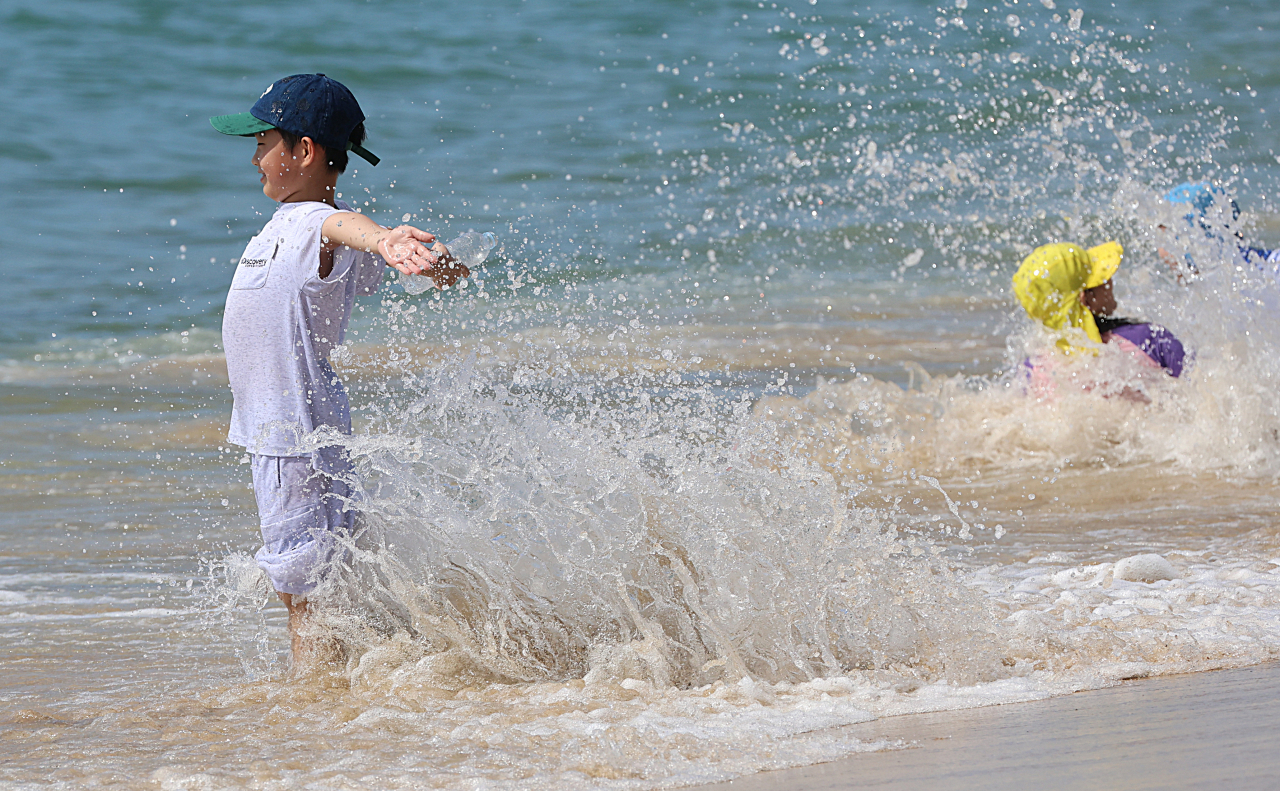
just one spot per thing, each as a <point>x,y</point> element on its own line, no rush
<point>301,510</point>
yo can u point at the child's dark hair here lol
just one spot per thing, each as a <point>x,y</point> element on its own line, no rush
<point>337,158</point>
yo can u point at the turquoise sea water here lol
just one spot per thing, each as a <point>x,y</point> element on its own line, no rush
<point>116,180</point>
<point>661,493</point>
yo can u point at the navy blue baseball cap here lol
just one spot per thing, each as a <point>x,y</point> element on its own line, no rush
<point>307,105</point>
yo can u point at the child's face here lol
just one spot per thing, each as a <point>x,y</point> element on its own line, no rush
<point>276,164</point>
<point>1101,301</point>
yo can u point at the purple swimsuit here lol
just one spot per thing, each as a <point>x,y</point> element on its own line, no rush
<point>1153,340</point>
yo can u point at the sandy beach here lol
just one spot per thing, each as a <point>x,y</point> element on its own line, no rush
<point>1204,730</point>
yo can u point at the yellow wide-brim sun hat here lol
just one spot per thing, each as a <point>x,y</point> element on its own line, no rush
<point>1051,279</point>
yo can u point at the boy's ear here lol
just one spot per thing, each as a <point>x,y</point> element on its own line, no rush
<point>309,151</point>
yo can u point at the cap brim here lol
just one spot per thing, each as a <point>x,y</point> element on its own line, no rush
<point>240,124</point>
<point>1106,260</point>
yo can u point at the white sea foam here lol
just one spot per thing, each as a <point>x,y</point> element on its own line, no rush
<point>549,575</point>
<point>142,613</point>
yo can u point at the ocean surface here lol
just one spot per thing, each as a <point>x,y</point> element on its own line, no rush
<point>726,447</point>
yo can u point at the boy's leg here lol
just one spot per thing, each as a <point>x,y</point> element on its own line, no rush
<point>300,512</point>
<point>308,648</point>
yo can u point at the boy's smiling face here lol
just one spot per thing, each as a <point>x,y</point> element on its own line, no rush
<point>276,164</point>
<point>300,173</point>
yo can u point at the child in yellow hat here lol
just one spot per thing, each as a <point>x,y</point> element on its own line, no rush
<point>1068,289</point>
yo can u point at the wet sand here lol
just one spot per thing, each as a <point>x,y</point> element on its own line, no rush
<point>1206,730</point>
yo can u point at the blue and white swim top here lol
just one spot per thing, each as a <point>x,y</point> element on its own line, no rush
<point>1201,197</point>
<point>1215,214</point>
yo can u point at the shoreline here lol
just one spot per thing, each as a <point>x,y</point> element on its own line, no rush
<point>1210,729</point>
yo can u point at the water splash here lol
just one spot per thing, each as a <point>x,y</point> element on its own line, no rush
<point>533,541</point>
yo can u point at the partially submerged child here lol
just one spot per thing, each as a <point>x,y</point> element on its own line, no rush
<point>288,307</point>
<point>1069,291</point>
<point>1213,217</point>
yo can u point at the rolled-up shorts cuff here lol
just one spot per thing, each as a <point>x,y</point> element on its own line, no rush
<point>301,512</point>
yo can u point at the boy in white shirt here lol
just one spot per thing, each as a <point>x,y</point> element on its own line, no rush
<point>289,304</point>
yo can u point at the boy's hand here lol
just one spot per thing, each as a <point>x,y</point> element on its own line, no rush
<point>447,270</point>
<point>405,249</point>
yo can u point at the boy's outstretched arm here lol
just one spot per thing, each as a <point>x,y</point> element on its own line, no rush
<point>404,248</point>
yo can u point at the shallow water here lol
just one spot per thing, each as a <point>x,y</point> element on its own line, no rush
<point>728,447</point>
